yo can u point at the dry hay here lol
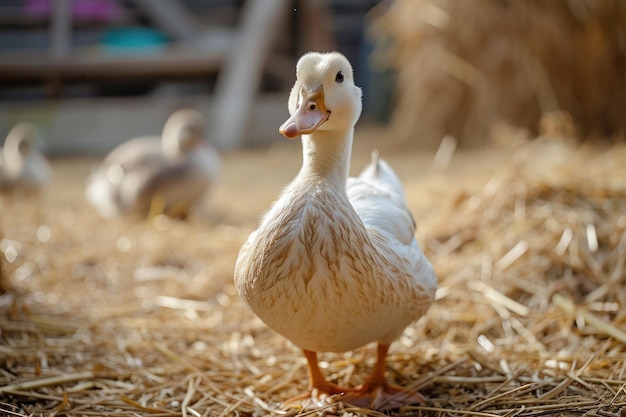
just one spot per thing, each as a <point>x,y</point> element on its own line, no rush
<point>463,65</point>
<point>142,318</point>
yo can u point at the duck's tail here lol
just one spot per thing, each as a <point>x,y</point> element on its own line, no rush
<point>380,172</point>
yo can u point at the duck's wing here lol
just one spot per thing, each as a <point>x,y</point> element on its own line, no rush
<point>378,198</point>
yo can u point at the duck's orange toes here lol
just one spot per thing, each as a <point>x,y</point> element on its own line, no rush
<point>319,396</point>
<point>382,396</point>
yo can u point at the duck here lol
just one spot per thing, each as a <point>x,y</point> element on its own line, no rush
<point>23,168</point>
<point>334,264</point>
<point>153,175</point>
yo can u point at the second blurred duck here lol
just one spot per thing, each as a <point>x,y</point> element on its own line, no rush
<point>154,175</point>
<point>22,166</point>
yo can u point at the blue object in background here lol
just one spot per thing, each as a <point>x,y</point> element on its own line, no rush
<point>132,40</point>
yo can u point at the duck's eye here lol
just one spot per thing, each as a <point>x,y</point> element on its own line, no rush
<point>312,106</point>
<point>339,77</point>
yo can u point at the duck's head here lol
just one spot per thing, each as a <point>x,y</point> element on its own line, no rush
<point>22,139</point>
<point>324,97</point>
<point>184,130</point>
<point>22,142</point>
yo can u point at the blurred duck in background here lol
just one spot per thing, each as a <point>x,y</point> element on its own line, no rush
<point>157,175</point>
<point>22,167</point>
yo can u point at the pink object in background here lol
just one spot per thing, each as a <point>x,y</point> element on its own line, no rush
<point>82,10</point>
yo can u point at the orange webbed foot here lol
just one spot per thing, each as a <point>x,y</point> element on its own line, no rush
<point>377,393</point>
<point>318,396</point>
<point>382,396</point>
<point>321,392</point>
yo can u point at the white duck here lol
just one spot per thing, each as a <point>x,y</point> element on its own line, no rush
<point>23,167</point>
<point>157,174</point>
<point>334,264</point>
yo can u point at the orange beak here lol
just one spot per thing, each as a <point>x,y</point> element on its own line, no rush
<point>309,115</point>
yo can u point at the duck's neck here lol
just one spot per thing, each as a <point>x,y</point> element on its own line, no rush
<point>326,157</point>
<point>14,160</point>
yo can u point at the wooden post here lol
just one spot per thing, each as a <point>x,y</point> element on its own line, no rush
<point>60,28</point>
<point>239,78</point>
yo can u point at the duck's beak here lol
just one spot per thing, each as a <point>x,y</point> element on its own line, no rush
<point>309,115</point>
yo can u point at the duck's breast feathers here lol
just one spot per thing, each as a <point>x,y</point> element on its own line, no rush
<point>302,237</point>
<point>104,195</point>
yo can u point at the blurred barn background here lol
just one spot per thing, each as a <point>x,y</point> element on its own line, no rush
<point>91,73</point>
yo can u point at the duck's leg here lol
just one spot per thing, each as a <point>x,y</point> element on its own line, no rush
<point>156,207</point>
<point>319,388</point>
<point>377,393</point>
<point>179,211</point>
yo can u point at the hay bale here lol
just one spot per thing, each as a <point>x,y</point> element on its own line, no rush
<point>542,231</point>
<point>463,65</point>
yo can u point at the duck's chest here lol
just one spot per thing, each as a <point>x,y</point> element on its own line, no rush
<point>313,238</point>
<point>316,236</point>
